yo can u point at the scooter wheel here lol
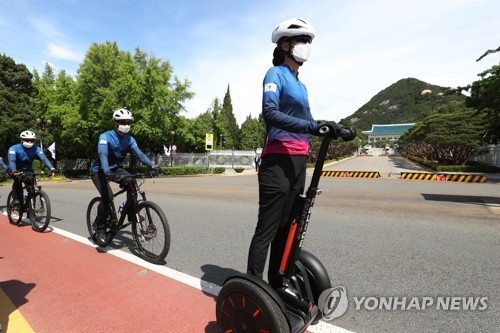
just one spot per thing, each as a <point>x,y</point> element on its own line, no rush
<point>243,307</point>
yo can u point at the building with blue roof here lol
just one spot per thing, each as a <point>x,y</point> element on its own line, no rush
<point>391,132</point>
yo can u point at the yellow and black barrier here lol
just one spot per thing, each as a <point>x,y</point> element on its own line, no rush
<point>352,174</point>
<point>450,177</point>
<point>418,175</point>
<point>461,178</point>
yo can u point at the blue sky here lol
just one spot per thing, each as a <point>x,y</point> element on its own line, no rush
<point>361,46</point>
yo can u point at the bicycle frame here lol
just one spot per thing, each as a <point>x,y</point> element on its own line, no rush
<point>132,189</point>
<point>31,188</point>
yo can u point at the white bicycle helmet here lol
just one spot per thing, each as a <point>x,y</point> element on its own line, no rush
<point>293,27</point>
<point>122,114</point>
<point>27,135</point>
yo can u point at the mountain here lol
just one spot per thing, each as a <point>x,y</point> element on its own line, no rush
<point>406,101</point>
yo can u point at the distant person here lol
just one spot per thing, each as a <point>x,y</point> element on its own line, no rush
<point>112,148</point>
<point>21,157</point>
<point>257,162</point>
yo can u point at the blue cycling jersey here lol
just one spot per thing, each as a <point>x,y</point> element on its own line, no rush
<point>21,158</point>
<point>285,108</point>
<point>112,149</point>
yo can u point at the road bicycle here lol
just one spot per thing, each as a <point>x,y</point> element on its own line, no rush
<point>35,203</point>
<point>149,225</point>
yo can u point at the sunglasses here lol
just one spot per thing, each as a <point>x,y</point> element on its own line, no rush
<point>124,122</point>
<point>303,39</point>
<point>29,140</point>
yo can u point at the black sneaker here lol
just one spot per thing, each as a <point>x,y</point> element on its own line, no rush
<point>101,235</point>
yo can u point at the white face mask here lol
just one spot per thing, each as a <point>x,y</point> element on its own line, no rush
<point>27,144</point>
<point>124,128</point>
<point>301,52</point>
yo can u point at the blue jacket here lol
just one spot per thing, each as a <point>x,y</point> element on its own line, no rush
<point>285,108</point>
<point>112,149</point>
<point>21,158</point>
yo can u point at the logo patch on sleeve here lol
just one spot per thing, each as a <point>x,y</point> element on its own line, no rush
<point>270,87</point>
<point>103,142</point>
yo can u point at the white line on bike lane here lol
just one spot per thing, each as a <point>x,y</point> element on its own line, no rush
<point>205,286</point>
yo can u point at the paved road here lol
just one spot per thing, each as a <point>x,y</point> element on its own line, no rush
<point>386,165</point>
<point>377,237</point>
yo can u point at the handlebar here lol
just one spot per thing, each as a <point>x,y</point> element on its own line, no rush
<point>120,179</point>
<point>346,133</point>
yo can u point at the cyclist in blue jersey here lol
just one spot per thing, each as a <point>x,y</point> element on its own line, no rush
<point>21,157</point>
<point>289,123</point>
<point>112,148</point>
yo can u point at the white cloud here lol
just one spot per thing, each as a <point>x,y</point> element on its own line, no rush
<point>362,46</point>
<point>59,52</point>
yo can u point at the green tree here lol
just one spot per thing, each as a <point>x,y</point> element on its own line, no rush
<point>447,136</point>
<point>252,134</point>
<point>160,100</point>
<point>201,124</point>
<point>16,101</point>
<point>229,127</point>
<point>110,78</point>
<point>485,97</point>
<point>55,103</point>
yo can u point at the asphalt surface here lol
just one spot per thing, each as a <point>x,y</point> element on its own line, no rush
<point>382,237</point>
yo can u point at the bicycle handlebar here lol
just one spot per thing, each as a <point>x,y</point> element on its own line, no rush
<point>136,175</point>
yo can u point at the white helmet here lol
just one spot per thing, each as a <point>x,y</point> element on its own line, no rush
<point>122,114</point>
<point>293,27</point>
<point>27,135</point>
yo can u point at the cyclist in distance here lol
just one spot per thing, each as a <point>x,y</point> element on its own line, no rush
<point>289,123</point>
<point>21,157</point>
<point>112,148</point>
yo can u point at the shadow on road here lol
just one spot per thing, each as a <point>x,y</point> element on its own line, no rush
<point>216,275</point>
<point>402,163</point>
<point>16,291</point>
<point>467,199</point>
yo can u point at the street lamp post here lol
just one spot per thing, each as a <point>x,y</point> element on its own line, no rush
<point>43,127</point>
<point>171,149</point>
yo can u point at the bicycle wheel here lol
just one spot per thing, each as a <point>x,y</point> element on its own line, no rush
<point>151,232</point>
<point>15,213</point>
<point>40,211</point>
<point>92,214</point>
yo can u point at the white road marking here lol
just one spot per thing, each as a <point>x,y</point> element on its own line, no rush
<point>207,287</point>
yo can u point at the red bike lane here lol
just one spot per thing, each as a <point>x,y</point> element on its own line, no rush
<point>61,285</point>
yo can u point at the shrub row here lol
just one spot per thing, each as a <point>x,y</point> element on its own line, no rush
<point>165,171</point>
<point>469,167</point>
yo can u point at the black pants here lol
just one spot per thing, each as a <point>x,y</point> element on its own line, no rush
<point>17,186</point>
<point>102,185</point>
<point>281,180</point>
